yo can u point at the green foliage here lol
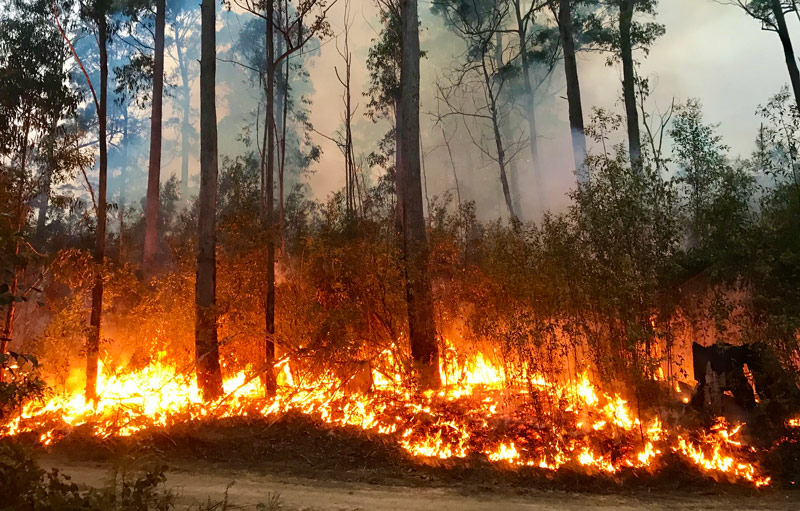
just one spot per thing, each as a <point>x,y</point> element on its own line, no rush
<point>27,486</point>
<point>21,382</point>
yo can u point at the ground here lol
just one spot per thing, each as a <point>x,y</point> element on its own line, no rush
<point>310,466</point>
<point>196,483</point>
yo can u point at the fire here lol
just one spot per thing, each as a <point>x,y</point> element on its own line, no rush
<point>475,413</point>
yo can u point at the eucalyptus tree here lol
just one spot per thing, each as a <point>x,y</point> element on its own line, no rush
<point>96,14</point>
<point>616,30</point>
<point>538,52</point>
<point>419,294</point>
<point>37,146</point>
<point>183,47</point>
<point>477,90</point>
<point>209,374</point>
<point>154,167</point>
<point>772,16</point>
<point>295,24</point>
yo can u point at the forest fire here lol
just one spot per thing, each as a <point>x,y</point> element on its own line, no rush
<point>476,413</point>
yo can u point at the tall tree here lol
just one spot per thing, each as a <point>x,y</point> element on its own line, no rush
<point>419,295</point>
<point>154,170</point>
<point>772,15</point>
<point>308,21</point>
<point>96,14</point>
<point>34,149</point>
<point>209,375</point>
<point>621,35</point>
<point>480,26</point>
<point>537,46</point>
<point>562,12</point>
<point>183,19</point>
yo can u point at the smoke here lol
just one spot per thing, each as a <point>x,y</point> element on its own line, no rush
<point>686,62</point>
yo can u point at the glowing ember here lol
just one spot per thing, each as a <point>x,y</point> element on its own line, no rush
<point>583,427</point>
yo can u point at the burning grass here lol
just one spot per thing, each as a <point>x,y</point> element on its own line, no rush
<point>547,427</point>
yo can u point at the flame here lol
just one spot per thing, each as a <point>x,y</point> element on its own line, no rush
<point>475,413</point>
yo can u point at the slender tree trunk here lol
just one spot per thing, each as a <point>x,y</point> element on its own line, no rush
<point>269,376</point>
<point>530,108</point>
<point>496,128</point>
<point>788,50</point>
<point>44,201</point>
<point>209,376</point>
<point>154,173</point>
<point>399,182</point>
<point>93,341</point>
<point>628,82</point>
<point>280,120</point>
<point>123,176</point>
<point>185,126</point>
<point>573,91</point>
<point>19,221</point>
<point>419,295</point>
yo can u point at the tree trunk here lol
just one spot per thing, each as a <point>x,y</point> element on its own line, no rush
<point>44,201</point>
<point>419,295</point>
<point>122,182</point>
<point>186,104</point>
<point>573,91</point>
<point>498,140</point>
<point>154,172</point>
<point>271,386</point>
<point>19,221</point>
<point>788,51</point>
<point>209,376</point>
<point>93,341</point>
<point>530,110</point>
<point>628,82</point>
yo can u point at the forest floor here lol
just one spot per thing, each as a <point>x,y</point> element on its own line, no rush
<point>304,465</point>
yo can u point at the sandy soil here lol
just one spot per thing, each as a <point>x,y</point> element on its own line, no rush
<point>195,483</point>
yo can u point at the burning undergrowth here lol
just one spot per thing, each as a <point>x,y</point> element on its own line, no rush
<point>478,417</point>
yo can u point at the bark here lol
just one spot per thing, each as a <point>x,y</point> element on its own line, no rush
<point>209,376</point>
<point>494,112</point>
<point>44,201</point>
<point>11,308</point>
<point>788,50</point>
<point>93,341</point>
<point>573,91</point>
<point>282,100</point>
<point>269,341</point>
<point>419,295</point>
<point>123,183</point>
<point>154,172</point>
<point>628,82</point>
<point>183,67</point>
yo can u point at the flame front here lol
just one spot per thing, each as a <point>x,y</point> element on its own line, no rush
<point>589,429</point>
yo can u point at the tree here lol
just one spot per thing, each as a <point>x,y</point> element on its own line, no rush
<point>563,13</point>
<point>419,295</point>
<point>529,37</point>
<point>97,14</point>
<point>209,375</point>
<point>183,19</point>
<point>295,35</point>
<point>35,150</point>
<point>772,15</point>
<point>154,172</point>
<point>484,76</point>
<point>620,35</point>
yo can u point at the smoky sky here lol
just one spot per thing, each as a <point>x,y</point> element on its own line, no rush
<point>711,51</point>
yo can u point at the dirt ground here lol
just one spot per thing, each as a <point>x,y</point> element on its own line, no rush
<point>311,466</point>
<point>196,482</point>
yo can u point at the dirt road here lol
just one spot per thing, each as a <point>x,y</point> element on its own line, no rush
<point>195,484</point>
